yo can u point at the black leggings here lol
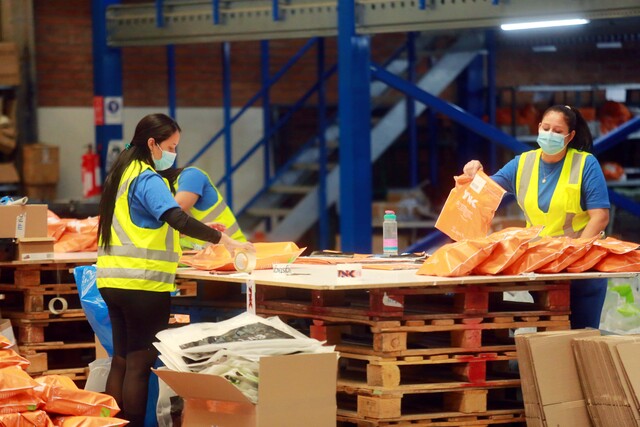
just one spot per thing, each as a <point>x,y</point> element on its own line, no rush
<point>136,317</point>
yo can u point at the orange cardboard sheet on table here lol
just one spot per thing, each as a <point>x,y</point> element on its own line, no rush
<point>470,207</point>
<point>216,257</point>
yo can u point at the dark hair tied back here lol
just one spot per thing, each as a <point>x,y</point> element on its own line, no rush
<point>582,140</point>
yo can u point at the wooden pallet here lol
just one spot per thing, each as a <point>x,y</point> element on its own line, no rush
<point>443,370</point>
<point>429,303</point>
<point>421,400</point>
<point>34,300</point>
<point>442,419</point>
<point>420,338</point>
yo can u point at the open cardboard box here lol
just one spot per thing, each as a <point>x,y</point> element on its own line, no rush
<point>294,390</point>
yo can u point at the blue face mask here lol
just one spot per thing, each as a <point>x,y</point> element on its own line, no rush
<point>166,161</point>
<point>551,142</point>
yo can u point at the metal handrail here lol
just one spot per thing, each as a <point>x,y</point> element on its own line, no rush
<point>254,98</point>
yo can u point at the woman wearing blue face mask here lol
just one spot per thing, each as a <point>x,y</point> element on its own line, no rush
<point>138,254</point>
<point>561,187</point>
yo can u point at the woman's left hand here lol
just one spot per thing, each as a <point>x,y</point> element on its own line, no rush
<point>233,245</point>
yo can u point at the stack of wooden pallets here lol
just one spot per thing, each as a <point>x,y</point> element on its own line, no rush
<point>54,341</point>
<point>427,356</point>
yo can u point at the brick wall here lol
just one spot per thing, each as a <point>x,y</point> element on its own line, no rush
<point>65,75</point>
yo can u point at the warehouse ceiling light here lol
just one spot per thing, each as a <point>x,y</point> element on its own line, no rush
<point>545,48</point>
<point>543,24</point>
<point>609,45</point>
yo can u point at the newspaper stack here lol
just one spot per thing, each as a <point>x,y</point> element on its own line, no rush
<point>233,348</point>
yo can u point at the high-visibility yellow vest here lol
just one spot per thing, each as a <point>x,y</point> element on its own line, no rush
<point>138,258</point>
<point>565,216</point>
<point>219,212</point>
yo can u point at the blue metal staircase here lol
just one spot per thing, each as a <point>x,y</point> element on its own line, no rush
<point>292,223</point>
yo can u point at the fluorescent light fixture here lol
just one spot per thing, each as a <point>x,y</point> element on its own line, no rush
<point>543,24</point>
<point>609,45</point>
<point>546,48</point>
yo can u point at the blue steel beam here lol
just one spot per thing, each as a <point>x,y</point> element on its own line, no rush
<point>454,112</point>
<point>275,128</point>
<point>412,128</point>
<point>171,80</point>
<point>228,137</point>
<point>265,76</point>
<point>159,14</point>
<point>624,203</point>
<point>616,136</point>
<point>255,97</point>
<point>323,222</point>
<point>354,110</point>
<point>471,99</point>
<point>492,93</point>
<point>107,80</point>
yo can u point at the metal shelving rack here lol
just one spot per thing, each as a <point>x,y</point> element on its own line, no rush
<point>198,21</point>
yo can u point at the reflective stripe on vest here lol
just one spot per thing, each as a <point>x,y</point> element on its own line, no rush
<point>220,212</point>
<point>565,215</point>
<point>138,258</point>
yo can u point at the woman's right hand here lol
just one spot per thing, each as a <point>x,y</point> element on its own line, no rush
<point>471,168</point>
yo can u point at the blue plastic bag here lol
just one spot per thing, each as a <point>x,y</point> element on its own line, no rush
<point>94,306</point>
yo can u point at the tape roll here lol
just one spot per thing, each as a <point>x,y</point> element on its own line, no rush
<point>244,262</point>
<point>63,303</point>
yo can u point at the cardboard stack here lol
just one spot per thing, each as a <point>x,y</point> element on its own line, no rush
<point>609,370</point>
<point>26,226</point>
<point>550,383</point>
<point>40,170</point>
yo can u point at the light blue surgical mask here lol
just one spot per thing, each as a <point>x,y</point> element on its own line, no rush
<point>551,142</point>
<point>166,161</point>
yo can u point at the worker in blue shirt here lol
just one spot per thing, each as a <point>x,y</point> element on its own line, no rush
<point>138,253</point>
<point>198,196</point>
<point>561,187</point>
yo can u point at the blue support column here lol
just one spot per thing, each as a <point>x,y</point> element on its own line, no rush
<point>266,106</point>
<point>107,83</point>
<point>171,80</point>
<point>412,129</point>
<point>228,142</point>
<point>470,95</point>
<point>355,132</point>
<point>265,75</point>
<point>323,222</point>
<point>434,165</point>
<point>490,37</point>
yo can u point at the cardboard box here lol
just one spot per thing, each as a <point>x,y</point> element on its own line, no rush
<point>40,164</point>
<point>9,65</point>
<point>23,221</point>
<point>8,173</point>
<point>35,249</point>
<point>295,390</point>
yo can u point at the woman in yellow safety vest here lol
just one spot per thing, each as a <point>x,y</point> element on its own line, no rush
<point>561,187</point>
<point>138,255</point>
<point>198,196</point>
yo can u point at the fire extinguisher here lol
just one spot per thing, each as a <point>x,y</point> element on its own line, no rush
<point>91,185</point>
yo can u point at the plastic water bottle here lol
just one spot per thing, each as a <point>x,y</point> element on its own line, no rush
<point>390,234</point>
